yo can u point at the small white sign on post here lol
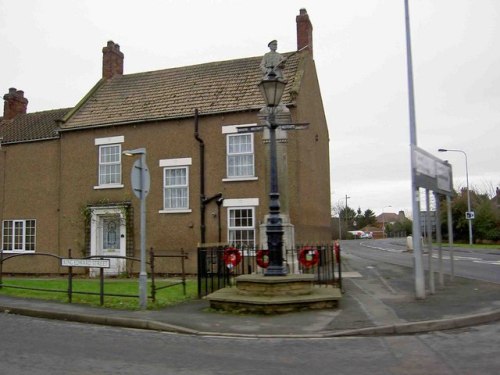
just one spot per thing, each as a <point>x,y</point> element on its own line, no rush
<point>91,263</point>
<point>469,215</point>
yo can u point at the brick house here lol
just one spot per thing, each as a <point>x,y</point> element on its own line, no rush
<point>65,183</point>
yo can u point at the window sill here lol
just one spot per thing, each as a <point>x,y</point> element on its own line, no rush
<point>18,251</point>
<point>183,211</point>
<point>234,179</point>
<point>114,186</point>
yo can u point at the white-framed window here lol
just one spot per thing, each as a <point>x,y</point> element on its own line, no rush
<point>240,156</point>
<point>241,226</point>
<point>18,235</point>
<point>176,188</point>
<point>175,185</point>
<point>110,162</point>
<point>110,165</point>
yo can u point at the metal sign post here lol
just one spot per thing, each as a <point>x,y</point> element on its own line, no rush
<point>140,179</point>
<point>431,173</point>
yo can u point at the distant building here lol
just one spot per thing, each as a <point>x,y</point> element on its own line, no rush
<point>390,218</point>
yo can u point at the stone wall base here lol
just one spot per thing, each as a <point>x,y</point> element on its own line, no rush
<point>274,294</point>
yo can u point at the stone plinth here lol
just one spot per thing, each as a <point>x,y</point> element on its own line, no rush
<point>274,294</point>
<point>260,285</point>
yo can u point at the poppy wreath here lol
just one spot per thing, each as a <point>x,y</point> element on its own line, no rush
<point>263,258</point>
<point>232,257</point>
<point>308,256</point>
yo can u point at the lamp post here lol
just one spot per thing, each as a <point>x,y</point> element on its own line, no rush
<point>272,89</point>
<point>417,250</point>
<point>345,213</point>
<point>340,219</point>
<point>140,185</point>
<point>468,216</point>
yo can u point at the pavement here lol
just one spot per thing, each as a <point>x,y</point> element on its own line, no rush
<point>378,299</point>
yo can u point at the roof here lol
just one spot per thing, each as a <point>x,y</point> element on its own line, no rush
<point>212,88</point>
<point>31,126</point>
<point>388,217</point>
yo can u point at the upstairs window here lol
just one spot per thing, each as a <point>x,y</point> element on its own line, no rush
<point>18,235</point>
<point>175,185</point>
<point>110,166</point>
<point>240,156</point>
<point>110,162</point>
<point>176,189</point>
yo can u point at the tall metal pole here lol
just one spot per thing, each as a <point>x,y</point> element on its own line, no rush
<point>143,276</point>
<point>340,229</point>
<point>345,213</point>
<point>468,197</point>
<point>439,238</point>
<point>428,230</point>
<point>340,219</point>
<point>140,187</point>
<point>469,219</point>
<point>415,194</point>
<point>450,236</point>
<point>274,227</point>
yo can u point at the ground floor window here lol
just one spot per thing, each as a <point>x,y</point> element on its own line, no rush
<point>18,235</point>
<point>241,226</point>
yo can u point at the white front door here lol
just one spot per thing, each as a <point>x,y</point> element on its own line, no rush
<point>108,237</point>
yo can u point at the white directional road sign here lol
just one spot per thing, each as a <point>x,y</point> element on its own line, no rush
<point>431,172</point>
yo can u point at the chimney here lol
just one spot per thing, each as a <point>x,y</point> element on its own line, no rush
<point>304,31</point>
<point>15,104</point>
<point>112,60</point>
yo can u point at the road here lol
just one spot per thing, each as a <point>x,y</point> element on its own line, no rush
<point>38,347</point>
<point>481,265</point>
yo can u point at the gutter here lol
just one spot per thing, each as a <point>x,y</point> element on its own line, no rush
<point>202,177</point>
<point>204,201</point>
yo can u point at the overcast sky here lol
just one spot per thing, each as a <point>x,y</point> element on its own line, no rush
<point>52,50</point>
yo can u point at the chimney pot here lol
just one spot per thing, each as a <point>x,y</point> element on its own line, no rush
<point>304,31</point>
<point>14,104</point>
<point>112,60</point>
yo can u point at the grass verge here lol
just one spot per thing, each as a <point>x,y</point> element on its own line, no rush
<point>171,295</point>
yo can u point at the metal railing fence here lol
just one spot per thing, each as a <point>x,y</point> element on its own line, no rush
<point>70,274</point>
<point>219,264</point>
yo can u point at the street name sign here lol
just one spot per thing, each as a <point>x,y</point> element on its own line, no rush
<point>251,129</point>
<point>294,126</point>
<point>91,263</point>
<point>259,128</point>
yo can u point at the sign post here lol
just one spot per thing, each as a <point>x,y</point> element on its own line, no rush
<point>140,179</point>
<point>431,173</point>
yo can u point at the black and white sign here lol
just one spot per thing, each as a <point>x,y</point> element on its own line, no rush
<point>91,263</point>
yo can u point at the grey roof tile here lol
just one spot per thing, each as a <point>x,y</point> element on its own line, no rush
<point>218,87</point>
<point>31,126</point>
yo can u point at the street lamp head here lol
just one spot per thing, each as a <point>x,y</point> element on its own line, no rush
<point>137,151</point>
<point>452,150</point>
<point>272,89</point>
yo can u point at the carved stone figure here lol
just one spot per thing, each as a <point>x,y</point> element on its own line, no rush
<point>272,62</point>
